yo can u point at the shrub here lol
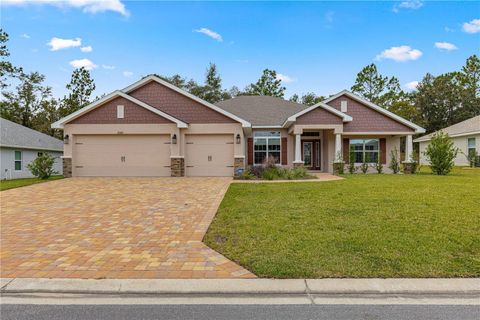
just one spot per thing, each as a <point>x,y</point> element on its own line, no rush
<point>441,153</point>
<point>351,163</point>
<point>299,172</point>
<point>473,158</point>
<point>269,163</point>
<point>271,174</point>
<point>394,161</point>
<point>415,162</point>
<point>378,166</point>
<point>247,175</point>
<point>42,166</point>
<point>364,167</point>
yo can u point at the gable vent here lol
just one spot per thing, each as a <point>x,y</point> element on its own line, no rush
<point>344,106</point>
<point>120,112</point>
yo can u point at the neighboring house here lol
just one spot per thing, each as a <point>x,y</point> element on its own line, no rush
<point>465,136</point>
<point>152,128</point>
<point>20,145</point>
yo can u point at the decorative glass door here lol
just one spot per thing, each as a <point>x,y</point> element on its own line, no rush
<point>307,154</point>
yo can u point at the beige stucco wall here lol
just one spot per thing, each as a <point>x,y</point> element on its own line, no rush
<point>460,142</point>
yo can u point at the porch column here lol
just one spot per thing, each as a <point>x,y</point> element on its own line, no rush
<point>298,150</point>
<point>409,149</point>
<point>338,148</point>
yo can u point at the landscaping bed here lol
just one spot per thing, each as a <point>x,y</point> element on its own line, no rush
<point>363,226</point>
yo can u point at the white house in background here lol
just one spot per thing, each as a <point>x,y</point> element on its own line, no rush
<point>20,145</point>
<point>465,135</point>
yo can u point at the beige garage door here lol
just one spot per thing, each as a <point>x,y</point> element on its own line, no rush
<point>209,155</point>
<point>121,155</point>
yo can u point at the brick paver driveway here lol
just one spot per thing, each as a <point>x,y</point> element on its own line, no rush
<point>113,228</point>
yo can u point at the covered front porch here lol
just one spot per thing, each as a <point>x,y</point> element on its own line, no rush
<point>318,147</point>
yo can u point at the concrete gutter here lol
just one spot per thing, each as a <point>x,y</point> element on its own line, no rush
<point>470,286</point>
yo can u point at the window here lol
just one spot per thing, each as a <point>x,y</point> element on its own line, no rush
<point>120,111</point>
<point>18,160</point>
<point>365,150</point>
<point>266,144</point>
<point>343,105</point>
<point>471,146</point>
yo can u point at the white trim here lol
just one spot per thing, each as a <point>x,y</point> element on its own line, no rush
<point>293,118</point>
<point>239,156</point>
<point>423,139</point>
<point>267,127</point>
<point>179,157</point>
<point>65,157</point>
<point>189,95</point>
<point>60,123</point>
<point>376,108</point>
<point>375,133</point>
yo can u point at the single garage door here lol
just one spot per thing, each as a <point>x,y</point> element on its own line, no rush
<point>121,155</point>
<point>209,155</point>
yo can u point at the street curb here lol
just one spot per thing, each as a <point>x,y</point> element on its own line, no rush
<point>462,286</point>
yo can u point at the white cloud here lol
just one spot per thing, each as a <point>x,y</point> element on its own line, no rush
<point>86,63</point>
<point>210,33</point>
<point>127,74</point>
<point>86,49</point>
<point>89,6</point>
<point>472,26</point>
<point>25,36</point>
<point>447,29</point>
<point>408,4</point>
<point>400,54</point>
<point>445,46</point>
<point>59,44</point>
<point>285,78</point>
<point>329,16</point>
<point>107,67</point>
<point>411,85</point>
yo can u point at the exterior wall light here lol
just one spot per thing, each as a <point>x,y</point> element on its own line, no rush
<point>238,138</point>
<point>66,138</point>
<point>174,139</point>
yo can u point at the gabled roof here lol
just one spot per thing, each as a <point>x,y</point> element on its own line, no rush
<point>60,123</point>
<point>263,111</point>
<point>293,118</point>
<point>468,127</point>
<point>375,107</point>
<point>147,79</point>
<point>17,136</point>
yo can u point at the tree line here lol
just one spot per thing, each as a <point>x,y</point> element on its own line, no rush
<point>437,102</point>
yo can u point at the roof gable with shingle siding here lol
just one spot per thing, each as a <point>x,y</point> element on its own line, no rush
<point>365,119</point>
<point>107,114</point>
<point>177,105</point>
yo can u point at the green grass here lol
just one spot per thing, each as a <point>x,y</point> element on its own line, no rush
<point>16,183</point>
<point>364,226</point>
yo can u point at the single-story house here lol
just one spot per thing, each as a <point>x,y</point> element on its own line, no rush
<point>152,128</point>
<point>20,145</point>
<point>465,136</point>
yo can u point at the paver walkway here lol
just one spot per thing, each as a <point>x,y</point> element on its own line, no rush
<point>113,228</point>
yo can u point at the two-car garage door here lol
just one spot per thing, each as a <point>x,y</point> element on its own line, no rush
<point>149,155</point>
<point>121,155</point>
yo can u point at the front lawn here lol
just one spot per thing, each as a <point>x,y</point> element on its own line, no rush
<point>364,226</point>
<point>15,183</point>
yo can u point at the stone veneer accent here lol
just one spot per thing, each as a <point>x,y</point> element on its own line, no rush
<point>296,165</point>
<point>239,163</point>
<point>67,167</point>
<point>177,166</point>
<point>408,167</point>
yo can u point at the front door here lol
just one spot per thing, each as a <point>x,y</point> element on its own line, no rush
<point>311,152</point>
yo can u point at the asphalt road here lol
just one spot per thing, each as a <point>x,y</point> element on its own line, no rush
<point>237,312</point>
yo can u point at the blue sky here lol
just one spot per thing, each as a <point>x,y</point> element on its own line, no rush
<point>315,46</point>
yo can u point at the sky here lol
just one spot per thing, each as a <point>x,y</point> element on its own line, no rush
<point>314,46</point>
